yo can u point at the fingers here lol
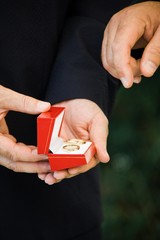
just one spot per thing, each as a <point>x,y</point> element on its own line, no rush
<point>98,134</point>
<point>58,176</point>
<point>151,56</point>
<point>27,167</point>
<point>17,151</point>
<point>15,156</point>
<point>3,127</point>
<point>48,178</point>
<point>116,52</point>
<point>90,123</point>
<point>132,27</point>
<point>21,158</point>
<point>82,169</point>
<point>11,100</point>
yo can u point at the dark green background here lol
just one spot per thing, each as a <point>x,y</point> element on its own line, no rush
<point>131,180</point>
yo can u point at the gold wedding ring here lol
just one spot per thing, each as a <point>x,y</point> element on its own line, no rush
<point>71,147</point>
<point>76,141</point>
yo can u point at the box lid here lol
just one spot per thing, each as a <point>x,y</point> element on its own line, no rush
<point>48,129</point>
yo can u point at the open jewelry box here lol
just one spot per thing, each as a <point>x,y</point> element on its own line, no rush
<point>62,154</point>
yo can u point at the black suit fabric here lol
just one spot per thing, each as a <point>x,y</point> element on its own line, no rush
<point>51,50</point>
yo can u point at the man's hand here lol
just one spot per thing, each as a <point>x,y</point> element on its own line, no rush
<point>137,26</point>
<point>83,119</point>
<point>13,155</point>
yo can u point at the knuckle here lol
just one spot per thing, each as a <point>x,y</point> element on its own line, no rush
<point>13,166</point>
<point>9,156</point>
<point>106,64</point>
<point>82,169</point>
<point>41,167</point>
<point>113,19</point>
<point>155,51</point>
<point>25,102</point>
<point>115,46</point>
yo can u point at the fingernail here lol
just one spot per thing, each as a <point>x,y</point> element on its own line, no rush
<point>150,67</point>
<point>57,175</point>
<point>107,158</point>
<point>43,106</point>
<point>137,79</point>
<point>125,82</point>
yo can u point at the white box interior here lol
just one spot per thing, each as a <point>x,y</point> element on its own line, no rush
<point>59,146</point>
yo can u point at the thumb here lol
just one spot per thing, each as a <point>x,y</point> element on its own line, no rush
<point>151,56</point>
<point>98,135</point>
<point>11,100</point>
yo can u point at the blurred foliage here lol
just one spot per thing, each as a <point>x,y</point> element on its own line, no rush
<point>131,180</point>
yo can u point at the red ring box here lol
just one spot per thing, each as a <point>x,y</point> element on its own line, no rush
<point>62,154</point>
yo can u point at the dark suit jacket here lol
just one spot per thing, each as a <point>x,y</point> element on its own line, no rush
<point>50,49</point>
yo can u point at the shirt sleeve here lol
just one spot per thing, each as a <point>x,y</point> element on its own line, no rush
<point>78,70</point>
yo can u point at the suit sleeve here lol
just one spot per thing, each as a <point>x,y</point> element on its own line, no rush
<point>78,71</point>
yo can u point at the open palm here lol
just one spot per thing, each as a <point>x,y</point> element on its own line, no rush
<point>85,120</point>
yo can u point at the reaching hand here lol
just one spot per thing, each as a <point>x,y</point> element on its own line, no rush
<point>137,26</point>
<point>83,119</point>
<point>13,155</point>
